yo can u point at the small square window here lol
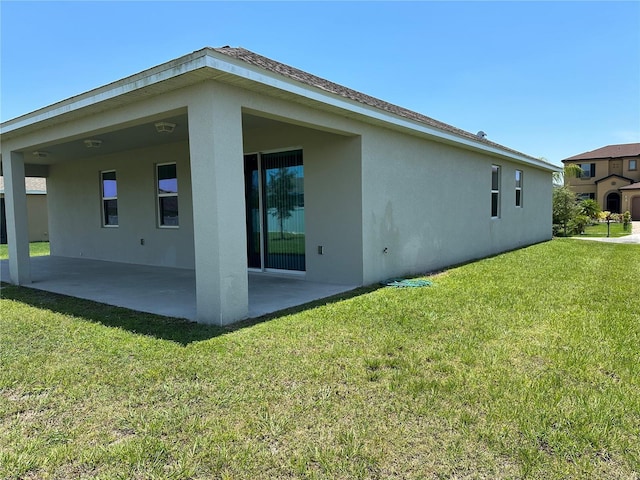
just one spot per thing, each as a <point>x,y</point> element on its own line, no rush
<point>633,164</point>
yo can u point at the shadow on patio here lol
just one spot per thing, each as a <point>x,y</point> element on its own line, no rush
<point>156,301</point>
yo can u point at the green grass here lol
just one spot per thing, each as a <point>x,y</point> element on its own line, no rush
<point>600,230</point>
<point>525,365</point>
<point>36,249</point>
<point>289,243</point>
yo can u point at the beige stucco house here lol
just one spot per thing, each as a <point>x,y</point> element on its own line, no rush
<point>37,211</point>
<point>611,176</point>
<point>226,162</point>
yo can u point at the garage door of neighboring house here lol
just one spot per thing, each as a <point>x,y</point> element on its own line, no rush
<point>635,208</point>
<point>3,223</point>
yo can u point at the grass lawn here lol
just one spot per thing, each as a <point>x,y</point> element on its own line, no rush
<point>525,365</point>
<point>600,230</point>
<point>35,249</point>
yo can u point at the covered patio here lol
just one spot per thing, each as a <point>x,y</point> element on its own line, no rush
<point>162,290</point>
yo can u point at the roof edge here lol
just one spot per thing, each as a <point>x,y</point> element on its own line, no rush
<point>158,73</point>
<point>211,58</point>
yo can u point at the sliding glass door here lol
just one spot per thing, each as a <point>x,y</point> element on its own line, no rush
<point>274,190</point>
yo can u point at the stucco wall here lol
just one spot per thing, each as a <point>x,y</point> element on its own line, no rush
<point>38,218</point>
<point>610,185</point>
<point>632,174</point>
<point>428,205</point>
<point>367,188</point>
<point>75,209</point>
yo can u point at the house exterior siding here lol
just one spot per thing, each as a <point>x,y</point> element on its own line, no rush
<point>75,209</point>
<point>384,195</point>
<point>420,213</point>
<point>613,171</point>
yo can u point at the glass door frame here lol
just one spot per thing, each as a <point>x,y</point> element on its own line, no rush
<point>263,214</point>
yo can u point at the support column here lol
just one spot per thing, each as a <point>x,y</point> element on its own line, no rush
<point>219,227</point>
<point>15,197</point>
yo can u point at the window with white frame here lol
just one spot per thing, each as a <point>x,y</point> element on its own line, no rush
<point>518,188</point>
<point>109,188</point>
<point>167,191</point>
<point>495,191</point>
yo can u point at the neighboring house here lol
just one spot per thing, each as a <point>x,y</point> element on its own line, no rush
<point>611,176</point>
<point>36,191</point>
<point>224,161</point>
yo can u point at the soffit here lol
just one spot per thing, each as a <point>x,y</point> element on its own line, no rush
<point>131,137</point>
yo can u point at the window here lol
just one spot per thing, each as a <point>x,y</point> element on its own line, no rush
<point>586,196</point>
<point>633,164</point>
<point>588,170</point>
<point>518,188</point>
<point>167,195</point>
<point>495,191</point>
<point>109,199</point>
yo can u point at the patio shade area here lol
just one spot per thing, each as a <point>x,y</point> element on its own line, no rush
<point>161,290</point>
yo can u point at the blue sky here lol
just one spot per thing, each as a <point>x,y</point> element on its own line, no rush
<point>550,79</point>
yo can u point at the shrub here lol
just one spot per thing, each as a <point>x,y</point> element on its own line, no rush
<point>577,224</point>
<point>590,208</point>
<point>564,207</point>
<point>626,220</point>
<point>604,215</point>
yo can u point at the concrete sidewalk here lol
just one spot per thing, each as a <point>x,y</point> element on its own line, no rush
<point>633,238</point>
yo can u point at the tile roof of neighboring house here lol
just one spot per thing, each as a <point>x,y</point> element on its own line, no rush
<point>32,185</point>
<point>633,186</point>
<point>610,151</point>
<point>314,81</point>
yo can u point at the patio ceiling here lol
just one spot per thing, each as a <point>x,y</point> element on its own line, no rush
<point>122,138</point>
<point>130,137</point>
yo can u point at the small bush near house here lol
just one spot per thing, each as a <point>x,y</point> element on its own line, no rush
<point>564,210</point>
<point>590,208</point>
<point>578,224</point>
<point>626,220</point>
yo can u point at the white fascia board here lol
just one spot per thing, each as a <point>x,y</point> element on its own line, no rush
<point>106,92</point>
<point>220,62</point>
<point>282,83</point>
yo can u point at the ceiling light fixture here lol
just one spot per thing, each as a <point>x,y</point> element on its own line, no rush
<point>91,143</point>
<point>165,127</point>
<point>40,154</point>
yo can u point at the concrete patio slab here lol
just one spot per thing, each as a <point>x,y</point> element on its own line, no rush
<point>161,290</point>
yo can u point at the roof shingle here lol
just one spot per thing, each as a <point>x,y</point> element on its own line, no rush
<point>610,151</point>
<point>32,184</point>
<point>331,87</point>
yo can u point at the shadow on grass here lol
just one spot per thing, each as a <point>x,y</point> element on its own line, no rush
<point>172,329</point>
